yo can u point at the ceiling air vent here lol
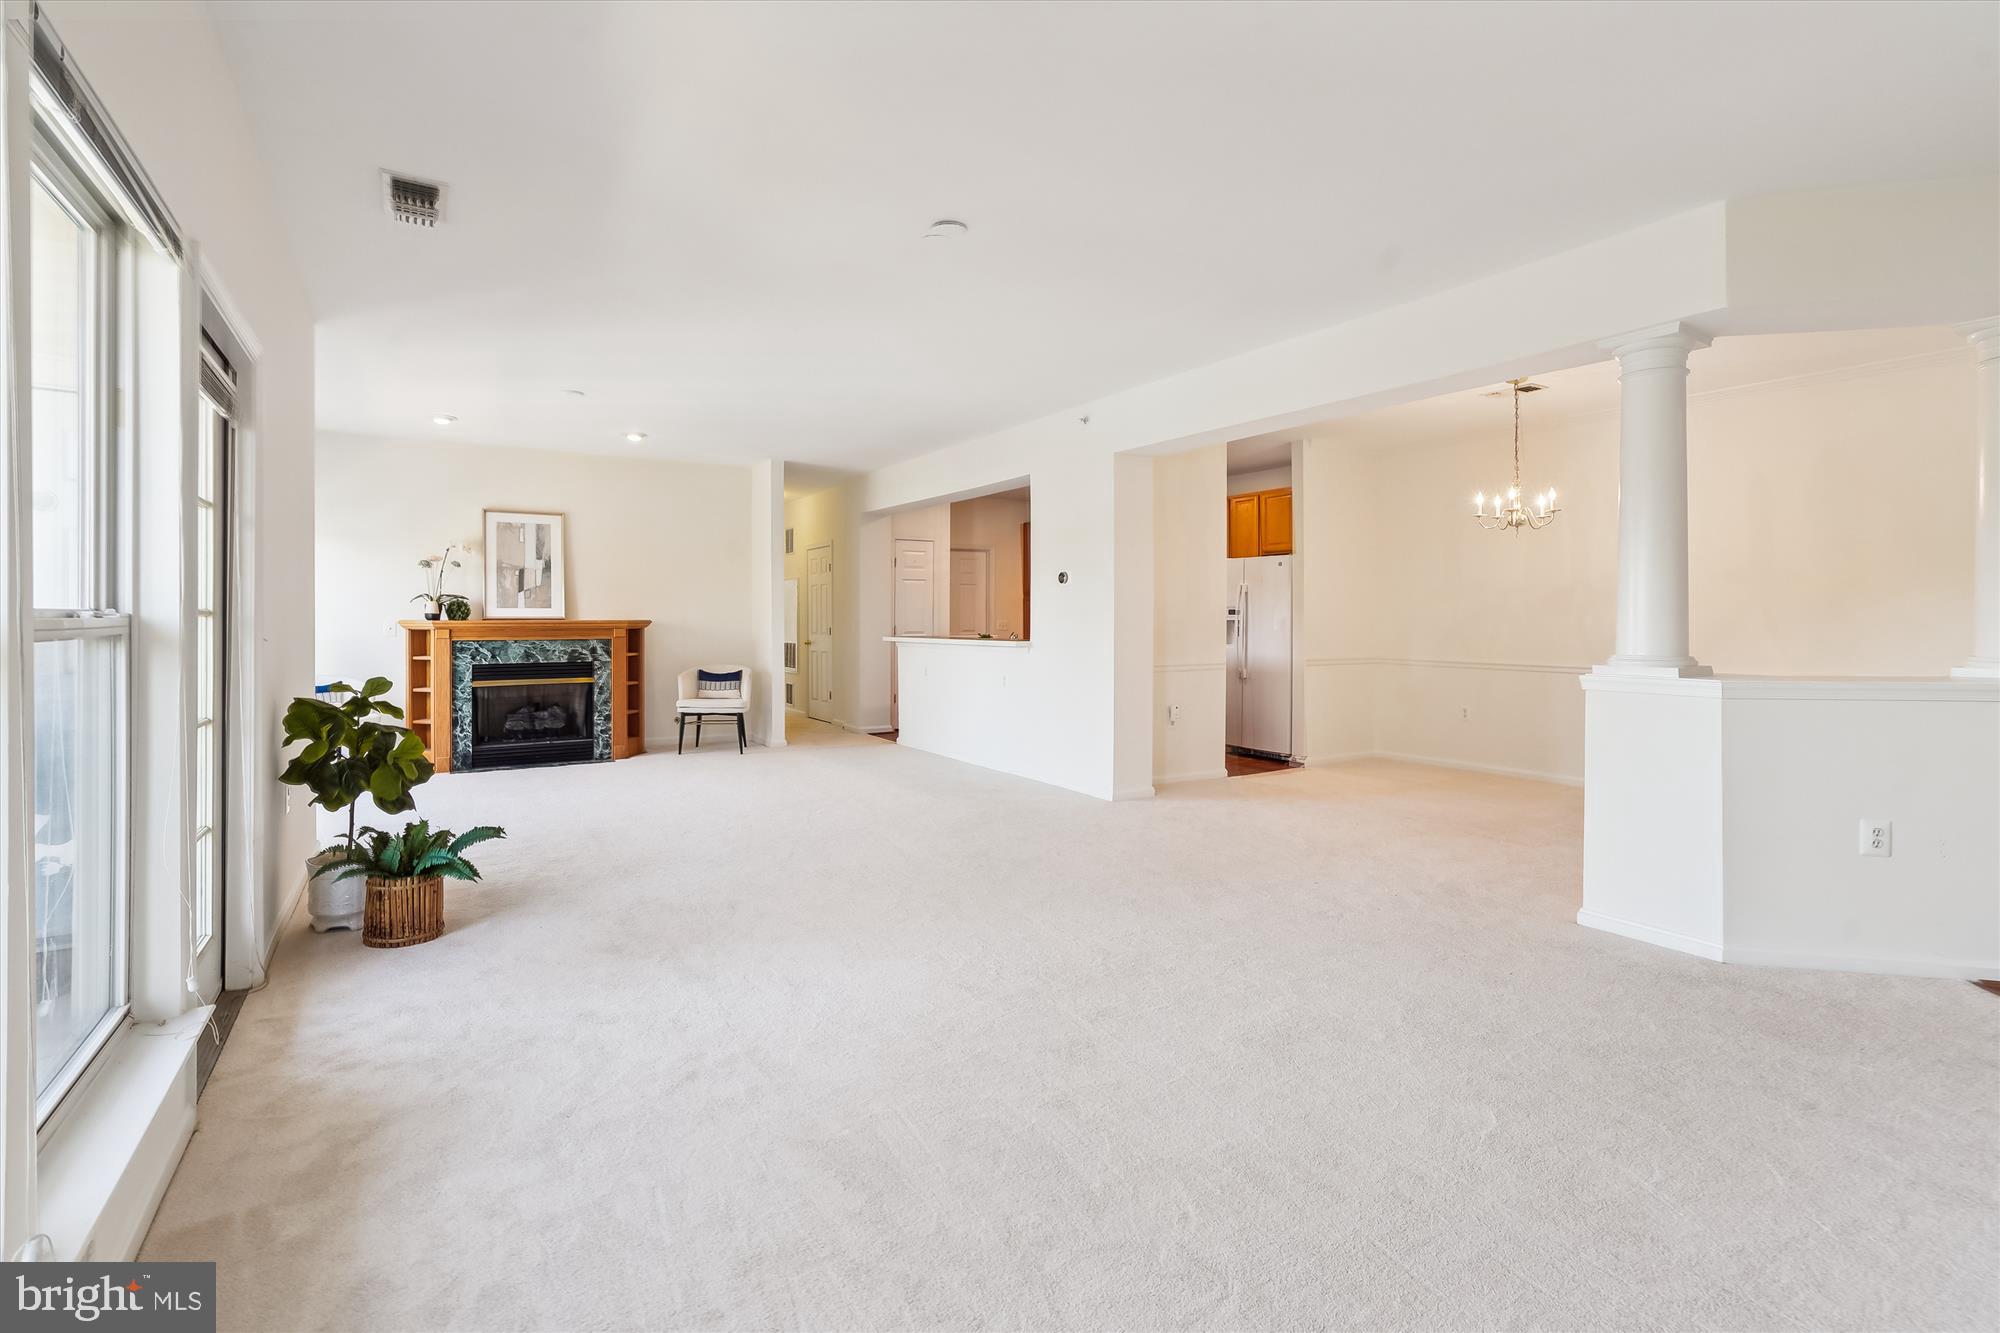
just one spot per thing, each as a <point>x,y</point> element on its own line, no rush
<point>416,202</point>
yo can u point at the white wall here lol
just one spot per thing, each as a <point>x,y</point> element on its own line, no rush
<point>1722,818</point>
<point>1190,590</point>
<point>665,541</point>
<point>1802,767</point>
<point>764,601</point>
<point>1052,718</point>
<point>1829,536</point>
<point>160,73</point>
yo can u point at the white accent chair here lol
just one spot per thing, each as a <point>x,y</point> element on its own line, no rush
<point>716,697</point>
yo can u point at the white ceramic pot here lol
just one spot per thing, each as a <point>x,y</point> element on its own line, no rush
<point>334,904</point>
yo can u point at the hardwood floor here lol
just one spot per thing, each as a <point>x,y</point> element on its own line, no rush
<point>1245,765</point>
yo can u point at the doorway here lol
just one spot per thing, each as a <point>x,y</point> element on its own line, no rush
<point>971,592</point>
<point>819,632</point>
<point>1260,644</point>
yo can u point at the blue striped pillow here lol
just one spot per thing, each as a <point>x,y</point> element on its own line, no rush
<point>718,684</point>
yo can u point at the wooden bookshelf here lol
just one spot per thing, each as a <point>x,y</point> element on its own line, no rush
<point>427,700</point>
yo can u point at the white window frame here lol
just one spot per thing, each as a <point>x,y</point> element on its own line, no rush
<point>211,626</point>
<point>108,582</point>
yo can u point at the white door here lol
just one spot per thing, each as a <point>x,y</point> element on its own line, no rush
<point>819,632</point>
<point>915,607</point>
<point>971,592</point>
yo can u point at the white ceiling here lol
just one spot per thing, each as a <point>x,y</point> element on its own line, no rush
<point>710,217</point>
<point>1592,390</point>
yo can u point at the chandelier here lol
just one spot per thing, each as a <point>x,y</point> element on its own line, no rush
<point>1512,511</point>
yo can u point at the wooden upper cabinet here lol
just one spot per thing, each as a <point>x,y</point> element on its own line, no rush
<point>1274,523</point>
<point>1242,526</point>
<point>1260,523</point>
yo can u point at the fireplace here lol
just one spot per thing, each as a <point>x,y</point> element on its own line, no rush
<point>526,713</point>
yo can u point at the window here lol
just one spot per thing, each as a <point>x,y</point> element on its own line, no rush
<point>82,637</point>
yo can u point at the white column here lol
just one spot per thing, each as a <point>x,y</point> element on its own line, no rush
<point>1653,503</point>
<point>1985,660</point>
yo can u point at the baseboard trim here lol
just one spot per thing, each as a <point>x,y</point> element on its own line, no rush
<point>1132,793</point>
<point>1450,664</point>
<point>1666,939</point>
<point>278,927</point>
<point>1956,969</point>
<point>1464,765</point>
<point>1169,779</point>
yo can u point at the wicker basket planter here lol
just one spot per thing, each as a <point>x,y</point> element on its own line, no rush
<point>402,912</point>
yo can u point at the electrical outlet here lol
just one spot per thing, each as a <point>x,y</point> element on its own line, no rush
<point>1878,837</point>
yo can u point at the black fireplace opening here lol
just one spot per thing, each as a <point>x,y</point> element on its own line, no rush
<point>526,713</point>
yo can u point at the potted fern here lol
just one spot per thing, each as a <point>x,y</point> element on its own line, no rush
<point>406,872</point>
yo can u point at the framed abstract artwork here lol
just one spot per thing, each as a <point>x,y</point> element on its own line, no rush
<point>525,575</point>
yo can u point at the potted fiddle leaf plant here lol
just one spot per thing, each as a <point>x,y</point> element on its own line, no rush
<point>347,750</point>
<point>405,872</point>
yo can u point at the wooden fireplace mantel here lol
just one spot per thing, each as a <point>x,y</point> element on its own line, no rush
<point>427,690</point>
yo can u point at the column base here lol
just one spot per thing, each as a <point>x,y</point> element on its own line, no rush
<point>1671,668</point>
<point>1978,668</point>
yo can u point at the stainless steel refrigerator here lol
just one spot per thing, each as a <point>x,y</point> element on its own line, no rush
<point>1260,655</point>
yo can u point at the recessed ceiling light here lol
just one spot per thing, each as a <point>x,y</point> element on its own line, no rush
<point>946,229</point>
<point>442,421</point>
<point>635,435</point>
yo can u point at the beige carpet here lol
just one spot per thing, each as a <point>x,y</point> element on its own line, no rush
<point>854,1037</point>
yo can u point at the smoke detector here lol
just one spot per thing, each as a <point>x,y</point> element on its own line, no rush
<point>418,203</point>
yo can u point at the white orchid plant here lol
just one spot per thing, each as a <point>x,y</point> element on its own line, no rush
<point>436,569</point>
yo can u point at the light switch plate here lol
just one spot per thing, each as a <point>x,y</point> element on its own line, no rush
<point>1878,837</point>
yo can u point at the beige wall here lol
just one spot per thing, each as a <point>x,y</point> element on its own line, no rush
<point>993,523</point>
<point>669,542</point>
<point>1830,535</point>
<point>1268,479</point>
<point>1190,591</point>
